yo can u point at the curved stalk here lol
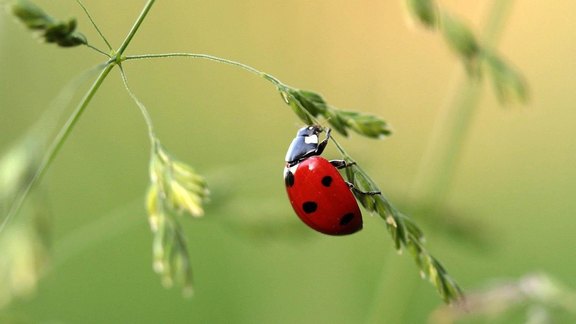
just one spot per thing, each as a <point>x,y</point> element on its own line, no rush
<point>246,67</point>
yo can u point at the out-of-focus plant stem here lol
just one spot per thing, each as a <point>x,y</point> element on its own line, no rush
<point>452,127</point>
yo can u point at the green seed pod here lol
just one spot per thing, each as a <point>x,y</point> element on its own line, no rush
<point>424,11</point>
<point>460,37</point>
<point>52,30</point>
<point>31,15</point>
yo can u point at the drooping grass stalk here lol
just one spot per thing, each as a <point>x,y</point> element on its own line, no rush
<point>141,106</point>
<point>451,130</point>
<point>308,106</point>
<point>246,67</point>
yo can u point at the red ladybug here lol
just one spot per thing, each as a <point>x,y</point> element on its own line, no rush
<point>318,193</point>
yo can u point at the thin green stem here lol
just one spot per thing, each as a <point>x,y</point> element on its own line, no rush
<point>340,148</point>
<point>246,67</point>
<point>55,110</point>
<point>134,28</point>
<point>279,85</point>
<point>141,106</point>
<point>65,131</point>
<point>444,151</point>
<point>496,20</point>
<point>97,49</point>
<point>56,145</point>
<point>440,161</point>
<point>94,24</point>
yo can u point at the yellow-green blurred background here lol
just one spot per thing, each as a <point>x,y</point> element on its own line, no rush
<point>253,261</point>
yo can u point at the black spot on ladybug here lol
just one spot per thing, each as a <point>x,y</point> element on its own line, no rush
<point>346,219</point>
<point>309,207</point>
<point>327,181</point>
<point>289,179</point>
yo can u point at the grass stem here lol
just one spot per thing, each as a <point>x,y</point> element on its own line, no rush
<point>143,110</point>
<point>451,130</point>
<point>134,28</point>
<point>246,67</point>
<point>94,25</point>
<point>65,131</point>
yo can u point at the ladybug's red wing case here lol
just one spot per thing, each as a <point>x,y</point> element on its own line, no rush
<point>321,197</point>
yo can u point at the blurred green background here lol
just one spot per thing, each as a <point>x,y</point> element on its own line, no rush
<point>253,261</point>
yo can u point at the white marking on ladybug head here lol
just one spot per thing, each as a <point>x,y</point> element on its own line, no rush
<point>293,168</point>
<point>312,139</point>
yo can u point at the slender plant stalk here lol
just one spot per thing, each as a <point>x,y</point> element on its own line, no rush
<point>134,29</point>
<point>441,158</point>
<point>141,106</point>
<point>65,131</point>
<point>246,67</point>
<point>496,20</point>
<point>94,25</point>
<point>97,49</point>
<point>440,161</point>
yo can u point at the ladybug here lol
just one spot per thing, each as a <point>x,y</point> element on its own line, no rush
<point>321,198</point>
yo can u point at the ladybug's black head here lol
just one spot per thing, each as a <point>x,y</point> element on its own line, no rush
<point>312,130</point>
<point>305,144</point>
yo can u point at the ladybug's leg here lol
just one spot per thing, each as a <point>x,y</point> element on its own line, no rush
<point>341,164</point>
<point>358,191</point>
<point>322,145</point>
